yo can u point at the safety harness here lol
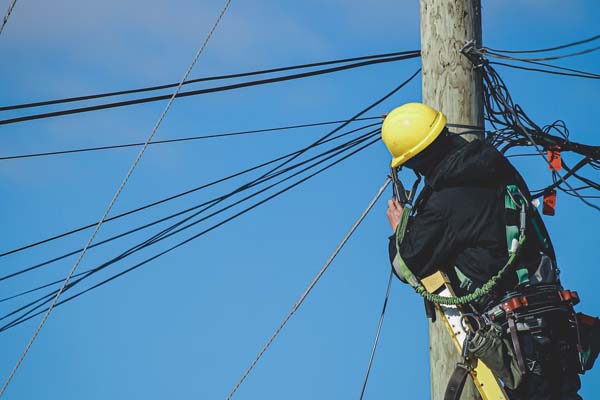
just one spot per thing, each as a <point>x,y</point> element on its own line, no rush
<point>517,310</point>
<point>514,200</point>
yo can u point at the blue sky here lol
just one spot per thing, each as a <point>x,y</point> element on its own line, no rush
<point>187,325</point>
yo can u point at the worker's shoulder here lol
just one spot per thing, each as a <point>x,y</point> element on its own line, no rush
<point>447,199</point>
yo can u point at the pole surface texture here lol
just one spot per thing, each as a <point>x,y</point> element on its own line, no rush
<point>451,85</point>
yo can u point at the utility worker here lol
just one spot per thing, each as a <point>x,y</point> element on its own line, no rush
<point>459,225</point>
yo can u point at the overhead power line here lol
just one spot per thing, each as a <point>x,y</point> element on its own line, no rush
<point>548,58</point>
<point>574,72</point>
<point>7,15</point>
<point>115,197</point>
<point>183,139</point>
<point>168,232</point>
<point>293,156</point>
<point>523,131</point>
<point>206,204</point>
<point>564,46</point>
<point>30,314</point>
<point>160,236</point>
<point>205,79</point>
<point>156,238</point>
<point>207,90</point>
<point>175,196</point>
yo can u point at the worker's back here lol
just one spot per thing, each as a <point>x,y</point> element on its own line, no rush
<point>460,222</point>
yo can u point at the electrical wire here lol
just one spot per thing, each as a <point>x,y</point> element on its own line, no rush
<point>176,196</point>
<point>325,137</point>
<point>25,317</point>
<point>163,234</point>
<point>205,79</point>
<point>549,58</point>
<point>564,46</point>
<point>501,110</point>
<point>578,74</point>
<point>183,139</point>
<point>114,199</point>
<point>207,205</point>
<point>204,91</point>
<point>376,340</point>
<point>293,156</point>
<point>7,15</point>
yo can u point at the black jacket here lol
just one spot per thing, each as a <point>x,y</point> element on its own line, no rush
<point>460,219</point>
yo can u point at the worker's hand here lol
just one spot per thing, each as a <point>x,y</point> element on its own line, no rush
<point>394,212</point>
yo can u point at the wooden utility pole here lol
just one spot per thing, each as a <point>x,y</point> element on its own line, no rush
<point>451,85</point>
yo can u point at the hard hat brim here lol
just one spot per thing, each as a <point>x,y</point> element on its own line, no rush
<point>436,128</point>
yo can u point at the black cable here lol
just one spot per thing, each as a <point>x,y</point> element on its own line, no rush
<point>206,204</point>
<point>173,197</point>
<point>549,58</point>
<point>581,74</point>
<point>564,46</point>
<point>569,173</point>
<point>501,110</point>
<point>22,319</point>
<point>207,90</point>
<point>156,238</point>
<point>289,160</point>
<point>295,155</point>
<point>184,139</point>
<point>376,340</point>
<point>205,79</point>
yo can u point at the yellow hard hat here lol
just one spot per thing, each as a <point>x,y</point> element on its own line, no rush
<point>409,129</point>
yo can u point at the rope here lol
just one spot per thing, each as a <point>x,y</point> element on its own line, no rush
<point>114,199</point>
<point>385,301</point>
<point>310,287</point>
<point>5,19</point>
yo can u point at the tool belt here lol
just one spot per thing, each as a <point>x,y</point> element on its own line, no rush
<point>523,311</point>
<point>496,341</point>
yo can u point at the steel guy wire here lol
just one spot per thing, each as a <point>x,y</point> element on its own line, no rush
<point>213,201</point>
<point>203,91</point>
<point>312,284</point>
<point>205,79</point>
<point>7,15</point>
<point>183,139</point>
<point>115,197</point>
<point>23,319</point>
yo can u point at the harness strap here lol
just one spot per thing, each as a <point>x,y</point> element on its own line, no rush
<point>486,288</point>
<point>516,344</point>
<point>456,382</point>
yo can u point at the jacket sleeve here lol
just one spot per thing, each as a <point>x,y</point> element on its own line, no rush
<point>428,244</point>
